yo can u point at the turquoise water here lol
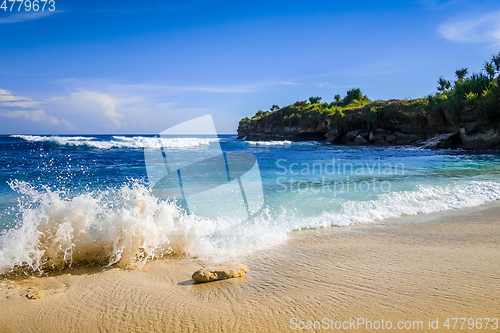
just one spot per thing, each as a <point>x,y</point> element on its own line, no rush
<point>87,200</point>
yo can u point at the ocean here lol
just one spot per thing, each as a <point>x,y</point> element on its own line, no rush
<point>90,200</point>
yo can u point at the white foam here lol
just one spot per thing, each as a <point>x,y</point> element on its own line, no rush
<point>121,141</point>
<point>281,143</point>
<point>57,139</point>
<point>124,227</point>
<point>269,143</point>
<point>426,199</point>
<point>129,226</point>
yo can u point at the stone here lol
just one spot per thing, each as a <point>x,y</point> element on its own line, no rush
<point>380,143</point>
<point>391,138</point>
<point>408,139</point>
<point>486,139</point>
<point>332,136</point>
<point>378,135</point>
<point>220,272</point>
<point>471,128</point>
<point>442,141</point>
<point>350,136</point>
<point>360,141</point>
<point>32,293</point>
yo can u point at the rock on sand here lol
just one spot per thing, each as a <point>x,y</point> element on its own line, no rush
<point>220,272</point>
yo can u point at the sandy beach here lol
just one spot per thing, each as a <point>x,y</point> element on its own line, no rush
<point>410,269</point>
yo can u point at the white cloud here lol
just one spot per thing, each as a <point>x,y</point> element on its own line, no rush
<point>6,96</point>
<point>436,4</point>
<point>482,29</point>
<point>103,107</point>
<point>68,125</point>
<point>27,16</point>
<point>38,116</point>
<point>90,110</point>
<point>13,106</point>
<point>7,99</point>
<point>255,87</point>
<point>88,104</point>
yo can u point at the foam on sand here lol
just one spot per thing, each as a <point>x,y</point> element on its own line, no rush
<point>411,270</point>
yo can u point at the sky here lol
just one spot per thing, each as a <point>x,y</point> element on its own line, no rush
<point>131,67</point>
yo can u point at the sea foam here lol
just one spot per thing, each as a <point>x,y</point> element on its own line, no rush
<point>120,141</point>
<point>425,199</point>
<point>269,143</point>
<point>129,226</point>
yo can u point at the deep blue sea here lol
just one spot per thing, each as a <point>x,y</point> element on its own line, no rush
<point>68,200</point>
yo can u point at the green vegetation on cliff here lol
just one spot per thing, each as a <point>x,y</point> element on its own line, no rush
<point>313,109</point>
<point>476,92</point>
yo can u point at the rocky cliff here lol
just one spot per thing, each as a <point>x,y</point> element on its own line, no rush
<point>382,123</point>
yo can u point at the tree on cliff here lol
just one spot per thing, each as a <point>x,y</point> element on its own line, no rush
<point>353,94</point>
<point>478,92</point>
<point>314,100</point>
<point>443,84</point>
<point>461,73</point>
<point>354,98</point>
<point>495,60</point>
<point>489,69</point>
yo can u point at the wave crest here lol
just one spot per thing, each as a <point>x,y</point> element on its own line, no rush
<point>124,227</point>
<point>120,141</point>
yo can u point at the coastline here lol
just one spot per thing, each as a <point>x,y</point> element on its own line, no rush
<point>439,265</point>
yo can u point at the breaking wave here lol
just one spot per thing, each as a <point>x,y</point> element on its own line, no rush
<point>120,141</point>
<point>129,226</point>
<point>269,143</point>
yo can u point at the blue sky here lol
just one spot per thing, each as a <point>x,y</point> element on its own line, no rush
<point>135,67</point>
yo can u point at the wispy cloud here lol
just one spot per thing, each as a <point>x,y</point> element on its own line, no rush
<point>13,106</point>
<point>9,100</point>
<point>101,108</point>
<point>208,89</point>
<point>27,16</point>
<point>480,29</point>
<point>38,116</point>
<point>98,106</point>
<point>437,4</point>
<point>332,86</point>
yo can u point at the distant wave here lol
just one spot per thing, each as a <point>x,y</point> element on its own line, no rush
<point>120,141</point>
<point>269,143</point>
<point>280,143</point>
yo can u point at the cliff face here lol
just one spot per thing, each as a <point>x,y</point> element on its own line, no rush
<point>271,127</point>
<point>382,123</point>
<point>477,133</point>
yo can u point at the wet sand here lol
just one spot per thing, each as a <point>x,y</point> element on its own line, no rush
<point>415,268</point>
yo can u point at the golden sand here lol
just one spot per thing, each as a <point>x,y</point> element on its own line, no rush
<point>417,268</point>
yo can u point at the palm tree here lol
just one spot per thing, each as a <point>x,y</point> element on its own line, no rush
<point>461,73</point>
<point>443,84</point>
<point>274,107</point>
<point>495,60</point>
<point>314,100</point>
<point>489,69</point>
<point>337,98</point>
